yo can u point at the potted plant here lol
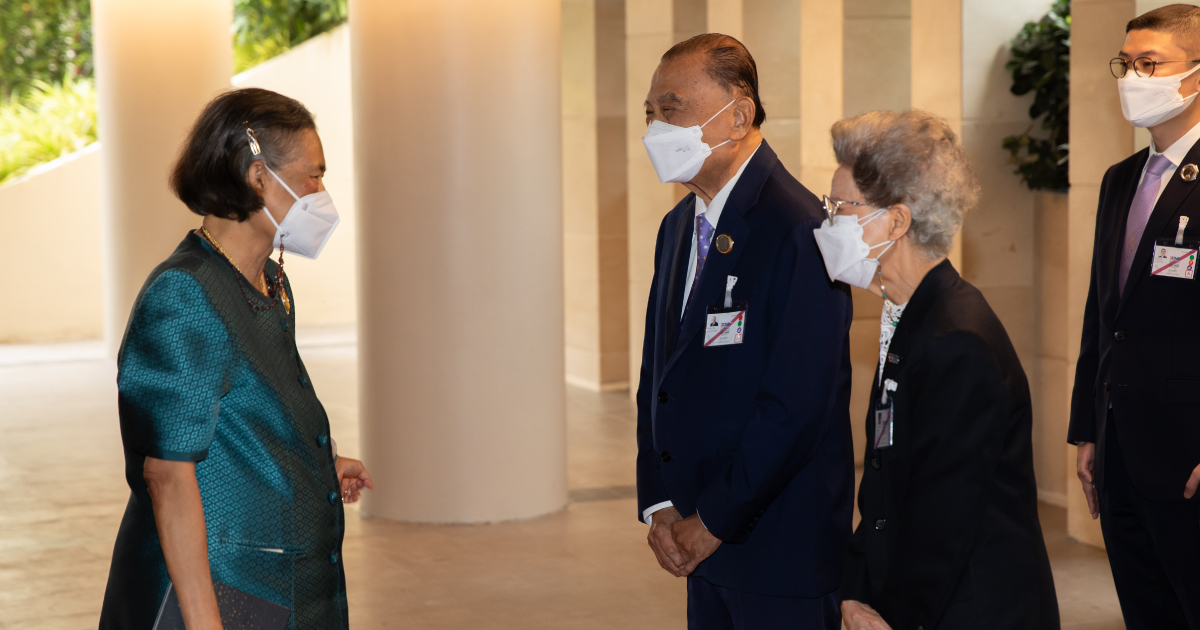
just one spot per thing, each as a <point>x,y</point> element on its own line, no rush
<point>1040,63</point>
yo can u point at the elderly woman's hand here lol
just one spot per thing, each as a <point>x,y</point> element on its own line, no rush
<point>859,616</point>
<point>353,477</point>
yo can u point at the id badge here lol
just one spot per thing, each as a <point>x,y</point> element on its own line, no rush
<point>725,326</point>
<point>883,416</point>
<point>1172,261</point>
<point>883,426</point>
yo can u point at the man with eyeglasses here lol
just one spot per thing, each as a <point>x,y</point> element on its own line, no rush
<point>1135,410</point>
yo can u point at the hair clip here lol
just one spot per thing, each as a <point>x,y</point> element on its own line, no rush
<point>255,149</point>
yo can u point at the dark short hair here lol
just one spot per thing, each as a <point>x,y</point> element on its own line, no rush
<point>210,174</point>
<point>1180,21</point>
<point>729,64</point>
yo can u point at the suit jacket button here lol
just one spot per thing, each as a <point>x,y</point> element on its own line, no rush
<point>1119,335</point>
<point>875,463</point>
<point>663,397</point>
<point>881,524</point>
<point>666,457</point>
<point>333,497</point>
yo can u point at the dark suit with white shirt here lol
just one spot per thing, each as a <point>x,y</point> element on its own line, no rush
<point>755,436</point>
<point>1137,393</point>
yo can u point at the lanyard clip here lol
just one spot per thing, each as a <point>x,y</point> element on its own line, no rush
<point>729,282</point>
<point>1183,221</point>
<point>888,386</point>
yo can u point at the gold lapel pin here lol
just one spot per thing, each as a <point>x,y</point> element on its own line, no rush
<point>1189,172</point>
<point>724,243</point>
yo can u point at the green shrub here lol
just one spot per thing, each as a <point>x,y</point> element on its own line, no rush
<point>265,28</point>
<point>49,122</point>
<point>1041,63</point>
<point>43,40</point>
<point>47,100</point>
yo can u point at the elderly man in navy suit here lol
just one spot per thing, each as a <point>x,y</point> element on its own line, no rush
<point>745,462</point>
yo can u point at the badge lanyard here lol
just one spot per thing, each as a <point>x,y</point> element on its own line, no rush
<point>725,325</point>
<point>883,416</point>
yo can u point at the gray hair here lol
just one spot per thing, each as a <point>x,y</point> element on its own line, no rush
<point>913,158</point>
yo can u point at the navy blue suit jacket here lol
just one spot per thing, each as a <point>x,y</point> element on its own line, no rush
<point>755,437</point>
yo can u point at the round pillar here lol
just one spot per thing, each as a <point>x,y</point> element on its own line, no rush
<point>457,158</point>
<point>157,64</point>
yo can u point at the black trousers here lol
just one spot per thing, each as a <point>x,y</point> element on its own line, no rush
<point>1153,549</point>
<point>712,607</point>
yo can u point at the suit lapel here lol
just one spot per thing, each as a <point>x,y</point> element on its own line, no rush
<point>678,273</point>
<point>712,281</point>
<point>932,286</point>
<point>1115,232</point>
<point>1176,192</point>
<point>717,266</point>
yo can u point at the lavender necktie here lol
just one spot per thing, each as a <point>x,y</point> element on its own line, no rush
<point>1139,213</point>
<point>703,242</point>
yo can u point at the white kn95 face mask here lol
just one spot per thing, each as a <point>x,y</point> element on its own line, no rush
<point>1148,101</point>
<point>677,153</point>
<point>308,224</point>
<point>844,251</point>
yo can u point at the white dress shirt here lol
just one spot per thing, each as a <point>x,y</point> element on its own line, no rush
<point>1176,154</point>
<point>712,214</point>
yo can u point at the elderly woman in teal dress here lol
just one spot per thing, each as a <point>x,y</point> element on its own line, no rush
<point>234,476</point>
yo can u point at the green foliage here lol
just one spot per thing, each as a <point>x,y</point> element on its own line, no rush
<point>43,40</point>
<point>47,98</point>
<point>48,122</point>
<point>1041,63</point>
<point>265,28</point>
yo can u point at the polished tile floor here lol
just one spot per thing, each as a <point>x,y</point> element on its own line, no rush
<point>62,493</point>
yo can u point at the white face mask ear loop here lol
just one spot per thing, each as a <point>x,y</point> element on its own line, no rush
<point>718,113</point>
<point>714,116</point>
<point>281,182</point>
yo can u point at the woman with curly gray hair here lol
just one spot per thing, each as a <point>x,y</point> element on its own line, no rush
<point>949,536</point>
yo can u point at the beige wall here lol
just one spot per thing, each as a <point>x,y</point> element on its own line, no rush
<point>594,195</point>
<point>1100,137</point>
<point>876,49</point>
<point>649,32</point>
<point>49,248</point>
<point>998,237</point>
<point>876,75</point>
<point>317,73</point>
<point>58,209</point>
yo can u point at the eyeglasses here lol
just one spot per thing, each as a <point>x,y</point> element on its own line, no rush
<point>1142,66</point>
<point>832,207</point>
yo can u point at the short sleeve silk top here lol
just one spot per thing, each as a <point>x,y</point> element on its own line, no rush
<point>204,377</point>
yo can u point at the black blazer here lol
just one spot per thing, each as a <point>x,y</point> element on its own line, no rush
<point>1141,350</point>
<point>949,536</point>
<point>755,437</point>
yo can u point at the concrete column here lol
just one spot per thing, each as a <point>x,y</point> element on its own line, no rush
<point>157,64</point>
<point>594,195</point>
<point>649,32</point>
<point>1100,137</point>
<point>458,157</point>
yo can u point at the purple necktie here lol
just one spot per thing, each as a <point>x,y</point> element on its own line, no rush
<point>1139,213</point>
<point>703,242</point>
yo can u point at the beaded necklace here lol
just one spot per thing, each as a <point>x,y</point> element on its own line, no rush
<point>279,292</point>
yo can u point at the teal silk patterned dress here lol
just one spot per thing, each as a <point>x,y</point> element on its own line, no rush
<point>205,378</point>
